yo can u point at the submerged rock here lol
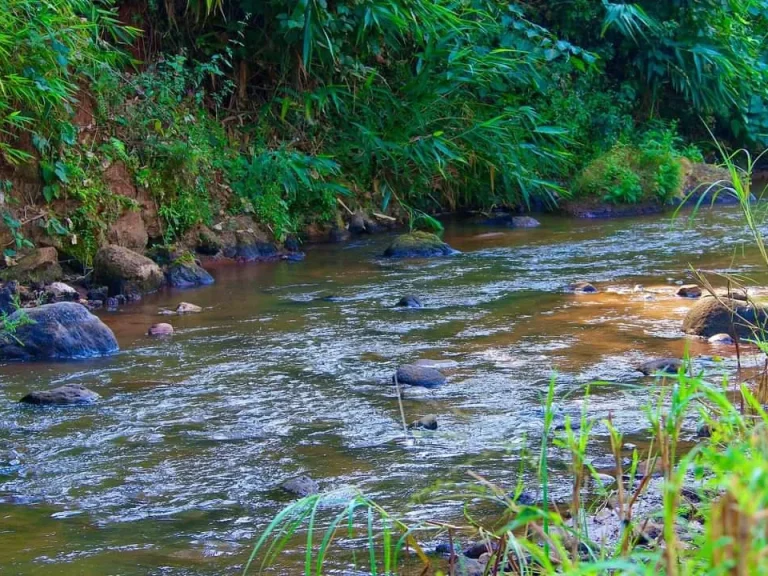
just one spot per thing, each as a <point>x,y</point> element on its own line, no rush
<point>302,486</point>
<point>409,302</point>
<point>186,273</point>
<point>62,331</point>
<point>428,422</point>
<point>160,329</point>
<point>721,340</point>
<point>187,308</point>
<point>689,291</point>
<point>525,222</point>
<point>510,221</point>
<point>338,235</point>
<point>67,394</point>
<point>126,272</point>
<point>582,288</point>
<point>414,375</point>
<point>710,316</point>
<point>665,365</point>
<point>418,245</point>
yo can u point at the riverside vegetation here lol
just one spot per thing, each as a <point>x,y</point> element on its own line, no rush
<point>164,127</point>
<point>284,112</point>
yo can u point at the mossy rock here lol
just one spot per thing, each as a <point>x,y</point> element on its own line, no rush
<point>208,242</point>
<point>706,182</point>
<point>418,245</point>
<point>628,175</point>
<point>126,272</point>
<point>710,316</point>
<point>39,267</point>
<point>185,272</point>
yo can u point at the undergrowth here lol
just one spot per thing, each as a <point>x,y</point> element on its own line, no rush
<point>650,166</point>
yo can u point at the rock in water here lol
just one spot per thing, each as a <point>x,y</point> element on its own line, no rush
<point>418,245</point>
<point>710,316</point>
<point>186,273</point>
<point>414,375</point>
<point>301,486</point>
<point>722,340</point>
<point>187,308</point>
<point>409,302</point>
<point>61,331</point>
<point>525,222</point>
<point>665,365</point>
<point>428,422</point>
<point>160,329</point>
<point>582,288</point>
<point>126,272</point>
<point>689,291</point>
<point>510,221</point>
<point>67,394</point>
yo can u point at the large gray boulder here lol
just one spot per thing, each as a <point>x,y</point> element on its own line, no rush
<point>126,272</point>
<point>61,331</point>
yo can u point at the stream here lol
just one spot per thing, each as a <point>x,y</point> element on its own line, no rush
<point>286,372</point>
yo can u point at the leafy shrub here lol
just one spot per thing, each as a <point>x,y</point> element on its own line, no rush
<point>167,137</point>
<point>286,188</point>
<point>46,49</point>
<point>683,60</point>
<point>649,170</point>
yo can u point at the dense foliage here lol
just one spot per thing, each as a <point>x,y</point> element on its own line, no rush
<point>280,108</point>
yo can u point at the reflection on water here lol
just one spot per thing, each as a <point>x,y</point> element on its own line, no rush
<point>285,373</point>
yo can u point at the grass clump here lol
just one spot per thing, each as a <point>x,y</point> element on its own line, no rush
<point>653,170</point>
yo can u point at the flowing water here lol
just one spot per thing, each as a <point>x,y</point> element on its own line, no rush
<point>286,372</point>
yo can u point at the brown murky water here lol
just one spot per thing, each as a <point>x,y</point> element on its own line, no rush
<point>175,471</point>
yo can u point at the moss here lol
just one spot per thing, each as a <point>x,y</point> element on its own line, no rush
<point>629,175</point>
<point>418,244</point>
<point>701,179</point>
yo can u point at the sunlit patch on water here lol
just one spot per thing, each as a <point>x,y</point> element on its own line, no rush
<point>288,372</point>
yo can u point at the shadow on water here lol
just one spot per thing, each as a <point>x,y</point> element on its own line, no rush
<point>286,370</point>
